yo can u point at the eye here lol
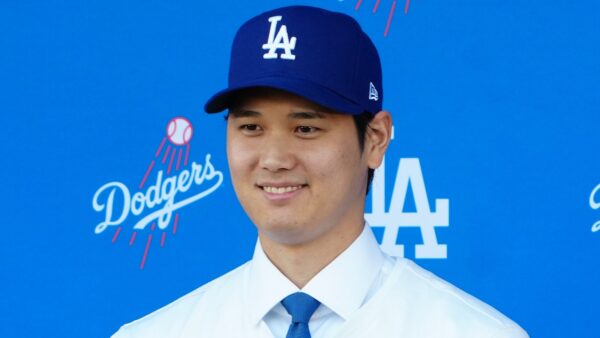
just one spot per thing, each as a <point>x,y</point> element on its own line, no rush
<point>306,130</point>
<point>250,129</point>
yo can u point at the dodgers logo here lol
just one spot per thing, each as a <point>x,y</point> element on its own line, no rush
<point>279,41</point>
<point>177,183</point>
<point>409,171</point>
<point>595,204</point>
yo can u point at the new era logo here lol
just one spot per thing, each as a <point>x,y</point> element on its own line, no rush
<point>279,41</point>
<point>373,94</point>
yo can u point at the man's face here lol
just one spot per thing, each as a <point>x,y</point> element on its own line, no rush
<point>297,169</point>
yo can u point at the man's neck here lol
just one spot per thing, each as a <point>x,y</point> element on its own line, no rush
<point>301,262</point>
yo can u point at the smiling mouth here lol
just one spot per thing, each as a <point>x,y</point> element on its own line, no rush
<point>282,190</point>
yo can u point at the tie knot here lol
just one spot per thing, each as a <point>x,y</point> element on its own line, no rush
<point>300,306</point>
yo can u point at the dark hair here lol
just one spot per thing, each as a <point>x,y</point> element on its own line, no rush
<point>361,122</point>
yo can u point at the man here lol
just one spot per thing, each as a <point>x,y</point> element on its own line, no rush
<point>305,130</point>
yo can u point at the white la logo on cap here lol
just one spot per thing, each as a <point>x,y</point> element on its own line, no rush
<point>282,40</point>
<point>373,94</point>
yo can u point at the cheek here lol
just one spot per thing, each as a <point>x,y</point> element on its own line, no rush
<point>340,171</point>
<point>331,165</point>
<point>240,157</point>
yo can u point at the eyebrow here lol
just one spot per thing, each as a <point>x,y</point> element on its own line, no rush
<point>294,115</point>
<point>307,115</point>
<point>243,113</point>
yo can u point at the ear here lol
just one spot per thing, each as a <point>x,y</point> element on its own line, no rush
<point>379,133</point>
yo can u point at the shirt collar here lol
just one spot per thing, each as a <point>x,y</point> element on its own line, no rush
<point>342,285</point>
<point>267,286</point>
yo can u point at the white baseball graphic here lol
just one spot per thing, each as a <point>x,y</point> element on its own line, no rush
<point>179,131</point>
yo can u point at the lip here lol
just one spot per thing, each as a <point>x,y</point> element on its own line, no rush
<point>281,196</point>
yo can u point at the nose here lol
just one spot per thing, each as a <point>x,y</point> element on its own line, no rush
<point>276,154</point>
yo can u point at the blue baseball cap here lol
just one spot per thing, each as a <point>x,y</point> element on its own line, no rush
<point>317,54</point>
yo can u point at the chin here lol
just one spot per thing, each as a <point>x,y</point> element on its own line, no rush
<point>284,233</point>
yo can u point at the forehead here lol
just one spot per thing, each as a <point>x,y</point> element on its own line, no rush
<point>264,97</point>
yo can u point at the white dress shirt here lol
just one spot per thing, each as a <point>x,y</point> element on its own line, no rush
<point>363,293</point>
<point>342,287</point>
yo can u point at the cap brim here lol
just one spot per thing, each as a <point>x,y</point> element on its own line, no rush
<point>306,89</point>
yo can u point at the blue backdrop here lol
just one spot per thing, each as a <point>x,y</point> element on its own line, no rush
<point>489,182</point>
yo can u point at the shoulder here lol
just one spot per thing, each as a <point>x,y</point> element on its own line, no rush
<point>172,319</point>
<point>430,299</point>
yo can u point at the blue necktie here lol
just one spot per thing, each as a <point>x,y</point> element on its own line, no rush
<point>301,307</point>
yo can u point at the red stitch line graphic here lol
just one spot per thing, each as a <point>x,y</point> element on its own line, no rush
<point>166,154</point>
<point>175,223</point>
<point>389,21</point>
<point>171,160</point>
<point>406,6</point>
<point>162,240</point>
<point>357,5</point>
<point>187,154</point>
<point>132,238</point>
<point>114,239</point>
<point>376,6</point>
<point>143,263</point>
<point>162,143</point>
<point>147,173</point>
<point>153,226</point>
<point>179,159</point>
